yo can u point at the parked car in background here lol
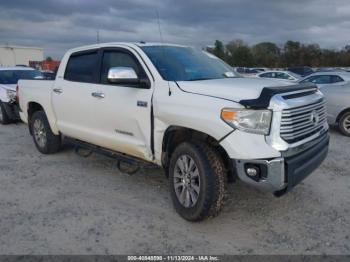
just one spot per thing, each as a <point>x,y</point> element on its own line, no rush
<point>260,69</point>
<point>325,69</point>
<point>9,77</point>
<point>245,70</point>
<point>301,70</point>
<point>184,110</point>
<point>279,75</point>
<point>48,75</point>
<point>327,78</point>
<point>336,88</point>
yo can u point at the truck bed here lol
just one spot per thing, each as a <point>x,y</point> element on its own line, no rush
<point>34,91</point>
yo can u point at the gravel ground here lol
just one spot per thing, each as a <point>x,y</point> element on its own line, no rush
<point>66,204</point>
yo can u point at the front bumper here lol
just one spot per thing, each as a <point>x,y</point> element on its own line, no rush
<point>12,111</point>
<point>279,175</point>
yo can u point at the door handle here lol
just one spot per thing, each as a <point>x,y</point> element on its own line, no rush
<point>98,95</point>
<point>58,90</point>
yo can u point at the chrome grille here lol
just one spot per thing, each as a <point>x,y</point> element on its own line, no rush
<point>301,122</point>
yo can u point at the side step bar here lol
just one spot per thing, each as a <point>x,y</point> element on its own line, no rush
<point>109,153</point>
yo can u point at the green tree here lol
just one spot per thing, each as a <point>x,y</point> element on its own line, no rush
<point>243,57</point>
<point>291,54</point>
<point>309,55</point>
<point>266,54</point>
<point>238,53</point>
<point>219,49</point>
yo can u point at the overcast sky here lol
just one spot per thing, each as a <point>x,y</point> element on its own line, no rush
<point>57,25</point>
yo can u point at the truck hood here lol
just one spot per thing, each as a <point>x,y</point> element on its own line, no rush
<point>234,89</point>
<point>10,87</point>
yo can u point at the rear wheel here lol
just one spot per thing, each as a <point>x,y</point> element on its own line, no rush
<point>344,124</point>
<point>197,181</point>
<point>45,140</point>
<point>4,119</point>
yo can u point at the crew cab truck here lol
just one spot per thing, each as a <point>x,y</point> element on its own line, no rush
<point>184,110</point>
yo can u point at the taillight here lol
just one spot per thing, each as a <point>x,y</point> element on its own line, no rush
<point>17,97</point>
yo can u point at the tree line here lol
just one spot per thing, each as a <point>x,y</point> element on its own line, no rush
<point>268,54</point>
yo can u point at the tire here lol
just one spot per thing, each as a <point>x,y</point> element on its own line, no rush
<point>45,140</point>
<point>4,118</point>
<point>344,124</point>
<point>201,195</point>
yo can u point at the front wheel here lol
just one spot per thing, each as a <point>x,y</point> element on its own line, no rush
<point>197,181</point>
<point>45,140</point>
<point>344,124</point>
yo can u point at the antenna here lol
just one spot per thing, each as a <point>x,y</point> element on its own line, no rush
<point>160,30</point>
<point>162,41</point>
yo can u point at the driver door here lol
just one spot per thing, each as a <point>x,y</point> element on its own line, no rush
<point>122,112</point>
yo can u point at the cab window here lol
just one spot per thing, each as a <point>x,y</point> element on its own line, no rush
<point>82,67</point>
<point>119,59</point>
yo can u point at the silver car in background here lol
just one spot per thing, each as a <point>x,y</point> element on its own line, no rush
<point>280,75</point>
<point>336,87</point>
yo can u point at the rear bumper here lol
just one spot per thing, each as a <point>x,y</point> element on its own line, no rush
<point>280,175</point>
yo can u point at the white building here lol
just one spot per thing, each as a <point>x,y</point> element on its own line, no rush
<point>19,55</point>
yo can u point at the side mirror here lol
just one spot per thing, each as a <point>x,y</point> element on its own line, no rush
<point>126,76</point>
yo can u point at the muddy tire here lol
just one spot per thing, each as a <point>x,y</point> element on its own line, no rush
<point>197,179</point>
<point>344,124</point>
<point>4,119</point>
<point>45,140</point>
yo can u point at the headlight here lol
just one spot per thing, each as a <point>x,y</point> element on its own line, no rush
<point>11,94</point>
<point>251,121</point>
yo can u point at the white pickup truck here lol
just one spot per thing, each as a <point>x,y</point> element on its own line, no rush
<point>184,110</point>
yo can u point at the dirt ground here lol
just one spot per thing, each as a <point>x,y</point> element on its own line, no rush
<point>66,204</point>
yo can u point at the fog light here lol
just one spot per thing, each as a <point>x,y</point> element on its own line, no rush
<point>253,172</point>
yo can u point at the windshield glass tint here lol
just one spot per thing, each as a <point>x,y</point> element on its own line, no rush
<point>11,77</point>
<point>186,64</point>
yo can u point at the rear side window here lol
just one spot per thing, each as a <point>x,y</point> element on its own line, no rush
<point>308,80</point>
<point>82,67</point>
<point>319,79</point>
<point>322,79</point>
<point>266,75</point>
<point>282,75</point>
<point>336,79</point>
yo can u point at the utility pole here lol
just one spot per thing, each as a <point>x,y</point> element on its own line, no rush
<point>98,36</point>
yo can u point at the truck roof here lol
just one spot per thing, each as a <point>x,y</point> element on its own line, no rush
<point>130,44</point>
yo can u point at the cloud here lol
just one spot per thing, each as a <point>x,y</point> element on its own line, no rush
<point>59,25</point>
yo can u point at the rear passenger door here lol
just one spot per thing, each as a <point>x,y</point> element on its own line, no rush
<point>122,118</point>
<point>71,95</point>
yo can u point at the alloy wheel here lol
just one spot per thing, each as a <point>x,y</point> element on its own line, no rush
<point>39,133</point>
<point>346,124</point>
<point>186,181</point>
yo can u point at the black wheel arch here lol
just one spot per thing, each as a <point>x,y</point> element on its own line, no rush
<point>346,110</point>
<point>175,135</point>
<point>31,109</point>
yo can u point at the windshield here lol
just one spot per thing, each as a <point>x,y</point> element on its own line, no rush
<point>186,63</point>
<point>11,77</point>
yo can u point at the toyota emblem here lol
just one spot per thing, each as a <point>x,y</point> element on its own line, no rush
<point>315,118</point>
